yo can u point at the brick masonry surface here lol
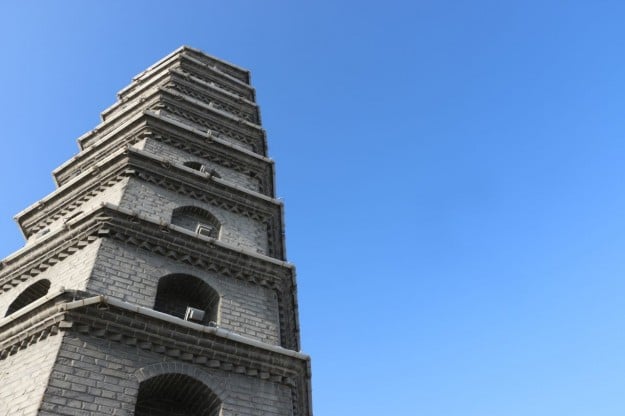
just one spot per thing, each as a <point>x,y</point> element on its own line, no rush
<point>111,195</point>
<point>180,157</point>
<point>72,273</point>
<point>132,275</point>
<point>159,204</point>
<point>77,353</point>
<point>80,385</point>
<point>21,391</point>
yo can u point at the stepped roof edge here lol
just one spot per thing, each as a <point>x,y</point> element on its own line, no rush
<point>102,165</point>
<point>174,123</point>
<point>108,300</point>
<point>181,50</point>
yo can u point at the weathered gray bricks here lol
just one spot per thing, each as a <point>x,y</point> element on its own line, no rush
<point>169,204</point>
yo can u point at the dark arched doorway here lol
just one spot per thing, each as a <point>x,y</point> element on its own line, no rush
<point>176,395</point>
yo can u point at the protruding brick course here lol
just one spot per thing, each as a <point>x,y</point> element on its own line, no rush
<point>169,204</point>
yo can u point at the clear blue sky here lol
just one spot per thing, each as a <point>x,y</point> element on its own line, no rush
<point>453,173</point>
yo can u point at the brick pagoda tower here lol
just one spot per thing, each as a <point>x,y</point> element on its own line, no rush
<point>154,280</point>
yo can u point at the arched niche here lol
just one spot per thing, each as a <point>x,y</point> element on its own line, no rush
<point>29,295</point>
<point>194,166</point>
<point>176,394</point>
<point>197,220</point>
<point>176,292</point>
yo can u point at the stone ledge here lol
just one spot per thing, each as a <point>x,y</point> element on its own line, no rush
<point>120,322</point>
<point>109,221</point>
<point>129,162</point>
<point>179,135</point>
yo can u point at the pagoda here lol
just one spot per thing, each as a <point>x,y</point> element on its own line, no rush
<point>154,279</point>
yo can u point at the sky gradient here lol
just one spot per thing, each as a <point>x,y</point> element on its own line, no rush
<point>452,173</point>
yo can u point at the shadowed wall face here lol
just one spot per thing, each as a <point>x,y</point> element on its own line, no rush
<point>29,295</point>
<point>176,292</point>
<point>176,395</point>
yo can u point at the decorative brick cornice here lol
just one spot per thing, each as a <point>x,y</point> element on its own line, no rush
<point>227,69</point>
<point>192,87</point>
<point>51,249</point>
<point>134,229</point>
<point>232,70</point>
<point>210,255</point>
<point>130,162</point>
<point>233,126</point>
<point>113,210</point>
<point>134,326</point>
<point>201,186</point>
<point>208,117</point>
<point>211,149</point>
<point>186,247</point>
<point>210,97</point>
<point>19,334</point>
<point>65,202</point>
<point>189,64</point>
<point>166,240</point>
<point>150,124</point>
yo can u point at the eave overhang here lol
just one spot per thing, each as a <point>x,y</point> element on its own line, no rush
<point>196,87</point>
<point>131,162</point>
<point>151,124</point>
<point>171,241</point>
<point>120,322</point>
<point>194,111</point>
<point>193,60</point>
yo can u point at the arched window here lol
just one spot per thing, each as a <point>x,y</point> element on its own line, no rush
<point>176,394</point>
<point>177,292</point>
<point>197,220</point>
<point>194,165</point>
<point>29,295</point>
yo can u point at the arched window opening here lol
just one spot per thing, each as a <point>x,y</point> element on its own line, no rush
<point>178,292</point>
<point>177,395</point>
<point>29,295</point>
<point>197,220</point>
<point>195,166</point>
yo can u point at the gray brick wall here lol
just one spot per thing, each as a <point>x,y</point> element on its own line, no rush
<point>132,275</point>
<point>78,373</point>
<point>159,204</point>
<point>71,273</point>
<point>204,124</point>
<point>111,195</point>
<point>180,157</point>
<point>99,377</point>
<point>24,375</point>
